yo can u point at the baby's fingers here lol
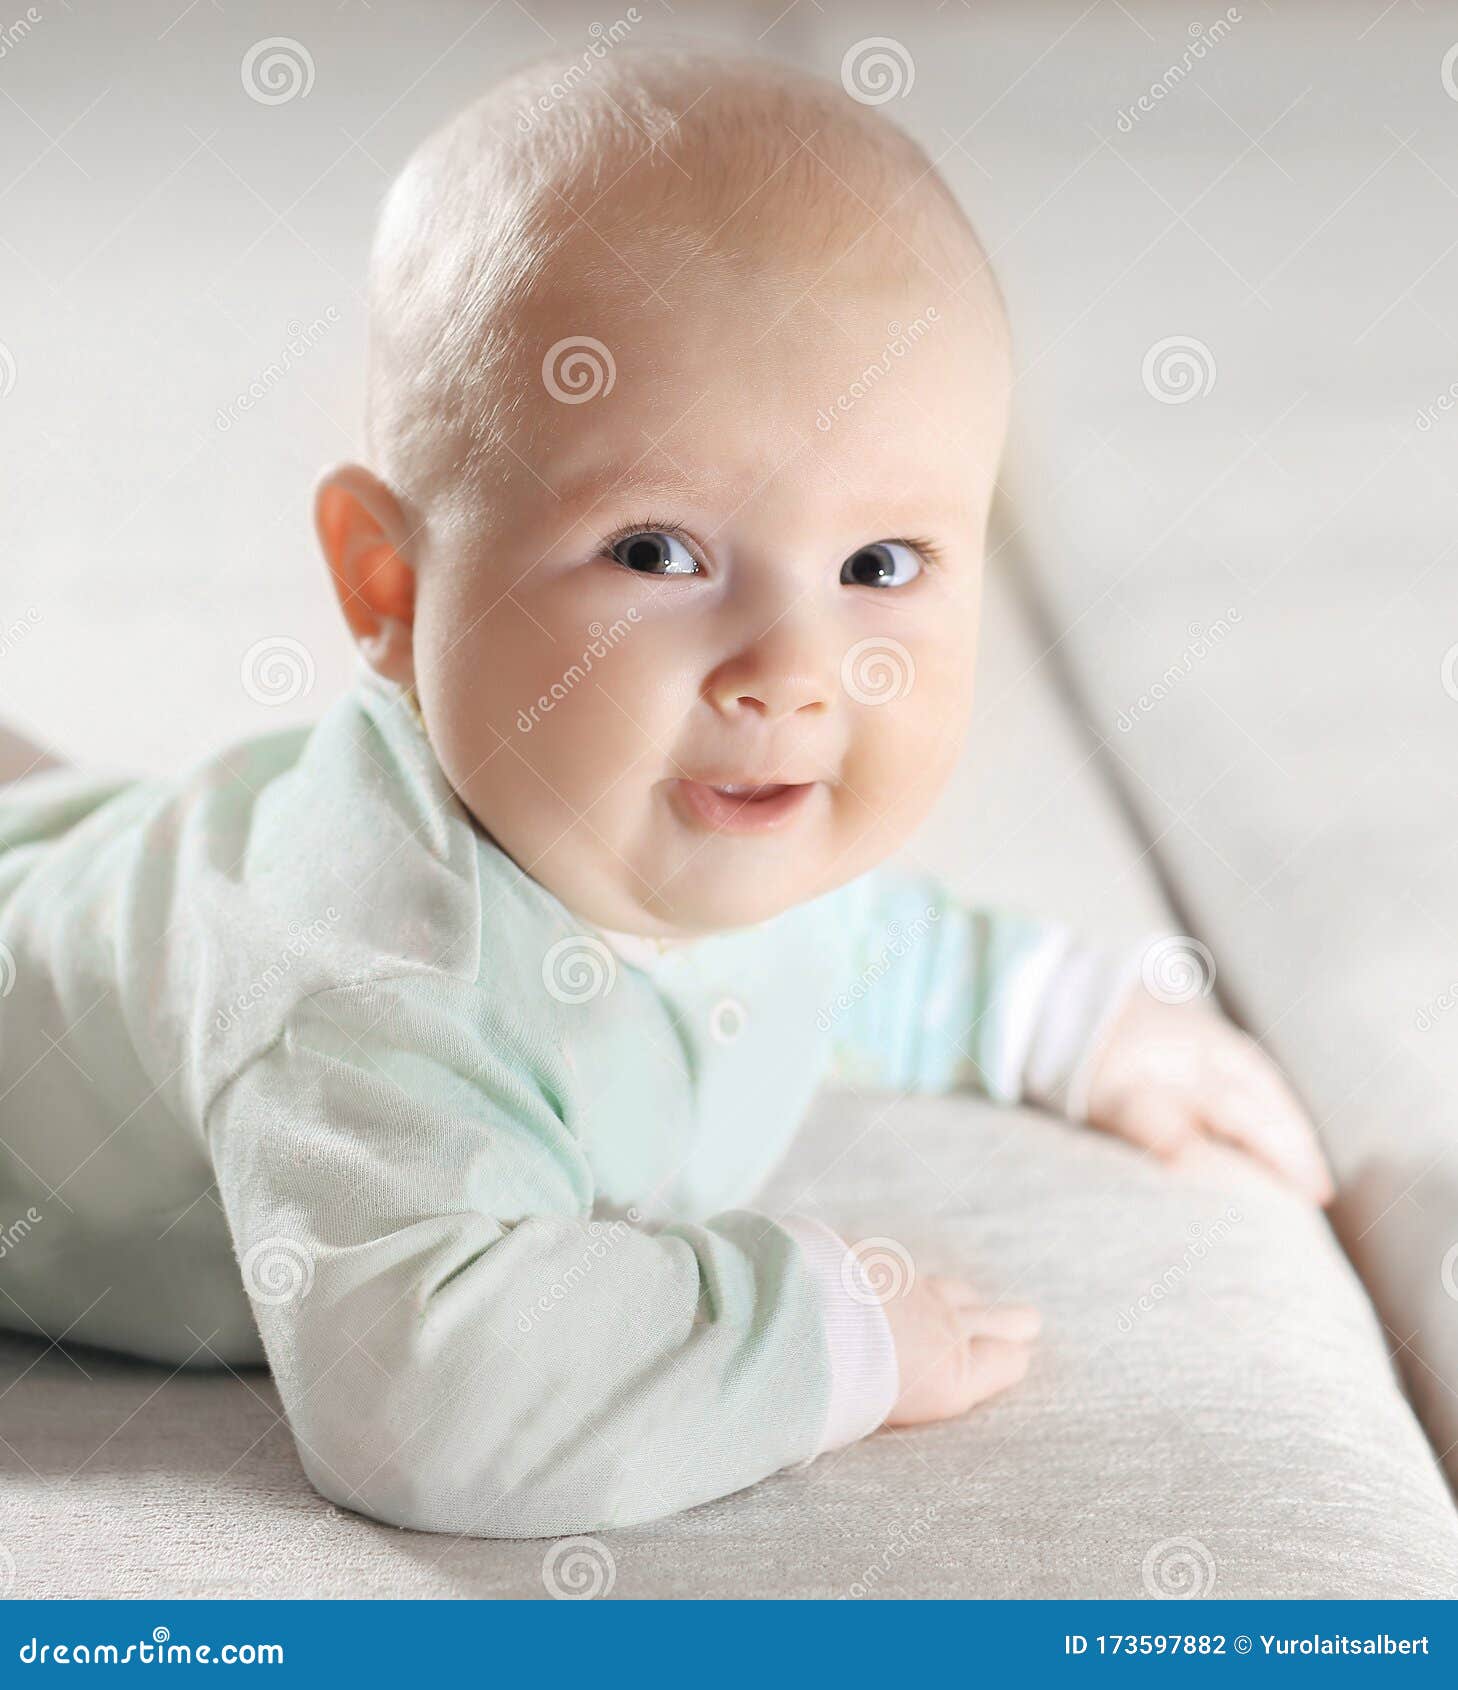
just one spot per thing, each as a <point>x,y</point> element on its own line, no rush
<point>1021,1320</point>
<point>1160,1121</point>
<point>1018,1322</point>
<point>993,1364</point>
<point>1261,1115</point>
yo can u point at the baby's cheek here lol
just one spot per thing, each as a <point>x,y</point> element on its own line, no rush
<point>881,774</point>
<point>942,700</point>
<point>603,740</point>
<point>899,758</point>
<point>946,658</point>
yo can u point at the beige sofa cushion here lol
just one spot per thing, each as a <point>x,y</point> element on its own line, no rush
<point>1240,1427</point>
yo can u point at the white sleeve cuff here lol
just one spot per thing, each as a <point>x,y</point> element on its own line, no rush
<point>1022,1000</point>
<point>1085,994</point>
<point>864,1377</point>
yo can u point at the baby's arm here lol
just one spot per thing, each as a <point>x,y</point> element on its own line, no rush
<point>458,1344</point>
<point>1024,1011</point>
<point>946,995</point>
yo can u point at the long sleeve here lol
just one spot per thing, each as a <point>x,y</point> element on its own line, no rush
<point>864,1372</point>
<point>463,1337</point>
<point>943,995</point>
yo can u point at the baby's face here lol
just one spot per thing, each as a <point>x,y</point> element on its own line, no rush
<point>744,549</point>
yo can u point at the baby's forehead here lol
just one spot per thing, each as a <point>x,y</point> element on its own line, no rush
<point>695,362</point>
<point>683,376</point>
<point>802,430</point>
<point>687,368</point>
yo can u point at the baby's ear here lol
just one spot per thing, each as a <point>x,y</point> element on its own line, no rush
<point>364,536</point>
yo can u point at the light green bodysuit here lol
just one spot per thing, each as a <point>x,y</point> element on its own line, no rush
<point>297,1065</point>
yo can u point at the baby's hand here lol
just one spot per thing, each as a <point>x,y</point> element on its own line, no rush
<point>1168,1072</point>
<point>953,1348</point>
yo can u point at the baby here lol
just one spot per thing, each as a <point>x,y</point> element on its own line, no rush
<point>435,1053</point>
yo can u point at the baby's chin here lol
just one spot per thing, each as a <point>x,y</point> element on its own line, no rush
<point>709,897</point>
<point>679,871</point>
<point>733,867</point>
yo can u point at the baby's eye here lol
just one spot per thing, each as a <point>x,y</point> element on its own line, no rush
<point>652,552</point>
<point>884,564</point>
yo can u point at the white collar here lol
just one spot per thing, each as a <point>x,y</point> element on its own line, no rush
<point>643,950</point>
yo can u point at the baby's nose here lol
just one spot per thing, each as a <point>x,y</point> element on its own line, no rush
<point>771,694</point>
<point>787,665</point>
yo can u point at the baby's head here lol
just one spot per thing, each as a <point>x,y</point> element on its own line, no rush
<point>688,386</point>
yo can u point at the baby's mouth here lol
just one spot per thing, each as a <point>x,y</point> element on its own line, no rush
<point>750,794</point>
<point>735,808</point>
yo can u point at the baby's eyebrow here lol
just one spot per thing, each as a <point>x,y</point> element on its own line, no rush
<point>588,486</point>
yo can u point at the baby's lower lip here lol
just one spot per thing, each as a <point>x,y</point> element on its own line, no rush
<point>708,806</point>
